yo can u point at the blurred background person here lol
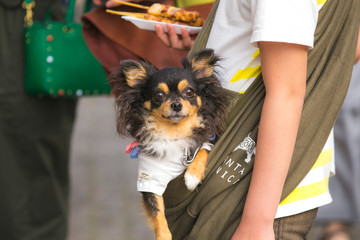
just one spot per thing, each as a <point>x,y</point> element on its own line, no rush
<point>34,139</point>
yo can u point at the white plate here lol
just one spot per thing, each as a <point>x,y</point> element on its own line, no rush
<point>150,25</point>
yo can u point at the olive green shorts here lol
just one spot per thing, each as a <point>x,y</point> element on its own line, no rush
<point>294,227</point>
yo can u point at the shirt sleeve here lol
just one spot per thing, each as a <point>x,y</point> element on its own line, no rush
<point>289,21</point>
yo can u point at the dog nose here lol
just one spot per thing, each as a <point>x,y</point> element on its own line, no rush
<point>176,106</point>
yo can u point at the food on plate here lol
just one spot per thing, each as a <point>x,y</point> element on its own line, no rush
<point>164,13</point>
<point>178,14</point>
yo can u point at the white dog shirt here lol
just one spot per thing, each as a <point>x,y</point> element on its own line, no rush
<point>154,173</point>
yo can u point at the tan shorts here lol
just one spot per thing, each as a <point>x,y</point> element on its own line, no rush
<point>294,227</point>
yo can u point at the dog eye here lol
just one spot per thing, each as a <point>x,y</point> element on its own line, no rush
<point>188,92</point>
<point>159,96</point>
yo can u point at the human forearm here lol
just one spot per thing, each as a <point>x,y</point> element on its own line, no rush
<point>284,74</point>
<point>275,144</point>
<point>357,53</point>
<point>274,151</point>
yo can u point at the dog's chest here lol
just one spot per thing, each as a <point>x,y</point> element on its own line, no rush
<point>170,148</point>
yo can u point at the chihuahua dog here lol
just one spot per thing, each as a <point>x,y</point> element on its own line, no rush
<point>172,113</point>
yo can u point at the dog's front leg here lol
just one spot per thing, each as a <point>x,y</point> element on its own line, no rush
<point>196,170</point>
<point>155,210</point>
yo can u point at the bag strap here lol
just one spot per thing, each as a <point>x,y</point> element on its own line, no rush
<point>28,5</point>
<point>69,18</point>
<point>200,43</point>
<point>202,38</point>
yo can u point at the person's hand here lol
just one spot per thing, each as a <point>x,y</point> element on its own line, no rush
<point>113,3</point>
<point>173,40</point>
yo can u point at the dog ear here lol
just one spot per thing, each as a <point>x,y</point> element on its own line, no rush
<point>135,72</point>
<point>127,84</point>
<point>213,98</point>
<point>202,62</point>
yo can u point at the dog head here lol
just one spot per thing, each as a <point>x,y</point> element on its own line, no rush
<point>188,99</point>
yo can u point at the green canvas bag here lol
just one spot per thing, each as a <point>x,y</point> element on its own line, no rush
<point>57,60</point>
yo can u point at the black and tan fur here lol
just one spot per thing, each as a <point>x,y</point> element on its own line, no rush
<point>172,103</point>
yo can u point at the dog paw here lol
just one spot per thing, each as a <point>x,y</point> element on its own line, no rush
<point>191,181</point>
<point>165,235</point>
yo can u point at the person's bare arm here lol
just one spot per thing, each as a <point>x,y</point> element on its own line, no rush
<point>284,73</point>
<point>357,54</point>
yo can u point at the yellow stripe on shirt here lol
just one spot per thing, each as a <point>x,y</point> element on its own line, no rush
<point>246,73</point>
<point>313,189</point>
<point>324,158</point>
<point>189,3</point>
<point>307,191</point>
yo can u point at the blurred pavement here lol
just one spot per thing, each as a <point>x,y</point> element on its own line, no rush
<point>104,203</point>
